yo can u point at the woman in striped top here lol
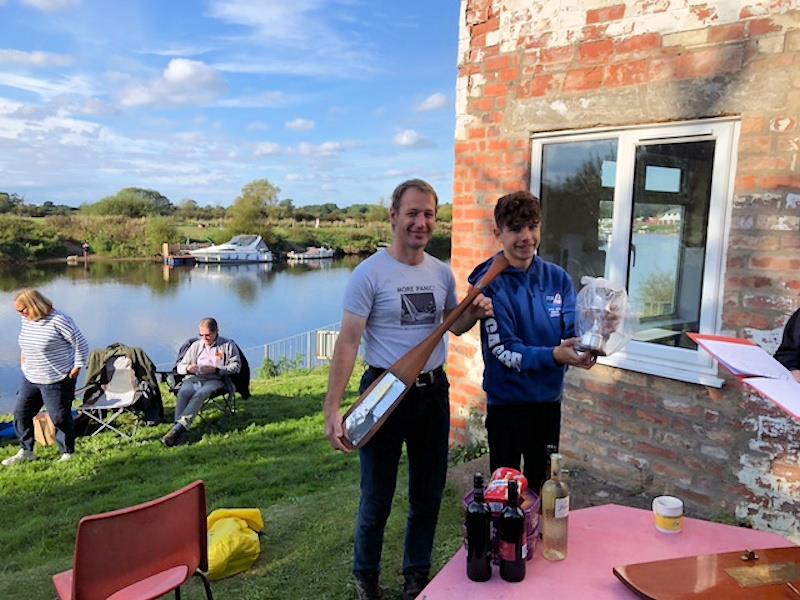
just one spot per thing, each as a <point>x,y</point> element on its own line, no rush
<point>52,352</point>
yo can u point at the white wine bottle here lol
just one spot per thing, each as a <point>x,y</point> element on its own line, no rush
<point>555,510</point>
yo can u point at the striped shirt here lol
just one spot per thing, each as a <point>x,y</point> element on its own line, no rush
<point>51,347</point>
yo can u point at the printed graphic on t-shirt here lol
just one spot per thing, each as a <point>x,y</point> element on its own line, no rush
<point>417,309</point>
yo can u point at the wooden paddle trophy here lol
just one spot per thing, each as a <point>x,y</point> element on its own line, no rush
<point>378,401</point>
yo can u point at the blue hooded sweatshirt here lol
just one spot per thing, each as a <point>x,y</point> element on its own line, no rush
<point>534,311</point>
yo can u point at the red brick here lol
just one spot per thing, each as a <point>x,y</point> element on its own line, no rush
<point>509,74</point>
<point>497,63</point>
<point>753,11</point>
<point>596,52</point>
<point>538,86</point>
<point>583,79</point>
<point>762,26</point>
<point>746,182</point>
<point>726,33</point>
<point>755,144</point>
<point>486,26</point>
<point>495,89</point>
<point>608,13</point>
<point>745,318</point>
<point>704,13</point>
<point>763,163</point>
<point>558,54</point>
<point>594,32</point>
<point>753,125</point>
<point>629,73</point>
<point>788,181</point>
<point>481,104</point>
<point>787,470</point>
<point>775,263</point>
<point>639,43</point>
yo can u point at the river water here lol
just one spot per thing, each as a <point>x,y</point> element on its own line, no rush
<point>156,308</point>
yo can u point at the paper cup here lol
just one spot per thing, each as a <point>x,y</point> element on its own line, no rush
<point>668,511</point>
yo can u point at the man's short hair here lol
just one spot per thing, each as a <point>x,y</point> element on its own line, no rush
<point>422,186</point>
<point>517,210</point>
<point>211,323</point>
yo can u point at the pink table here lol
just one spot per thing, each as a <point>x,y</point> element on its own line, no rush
<point>600,538</point>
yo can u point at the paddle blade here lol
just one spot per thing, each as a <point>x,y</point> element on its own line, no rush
<point>372,408</point>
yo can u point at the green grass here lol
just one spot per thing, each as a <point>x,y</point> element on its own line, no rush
<point>272,455</point>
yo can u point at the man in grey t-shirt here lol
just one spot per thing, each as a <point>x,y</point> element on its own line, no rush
<point>395,299</point>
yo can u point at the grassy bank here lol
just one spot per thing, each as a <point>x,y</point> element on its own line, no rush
<point>271,455</point>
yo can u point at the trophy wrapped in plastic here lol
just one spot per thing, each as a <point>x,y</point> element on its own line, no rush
<point>604,319</point>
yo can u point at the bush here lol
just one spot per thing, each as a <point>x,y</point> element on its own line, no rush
<point>23,239</point>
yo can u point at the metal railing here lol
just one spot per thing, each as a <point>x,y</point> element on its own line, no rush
<point>312,348</point>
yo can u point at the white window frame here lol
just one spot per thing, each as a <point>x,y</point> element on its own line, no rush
<point>683,364</point>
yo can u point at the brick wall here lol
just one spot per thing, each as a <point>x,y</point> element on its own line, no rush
<point>530,66</point>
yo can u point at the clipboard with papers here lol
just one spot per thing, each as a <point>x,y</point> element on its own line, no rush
<point>754,367</point>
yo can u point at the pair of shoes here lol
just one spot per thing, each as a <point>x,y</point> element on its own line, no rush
<point>414,584</point>
<point>66,457</point>
<point>21,456</point>
<point>368,588</point>
<point>175,436</point>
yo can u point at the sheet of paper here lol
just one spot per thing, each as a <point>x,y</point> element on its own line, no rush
<point>745,359</point>
<point>784,392</point>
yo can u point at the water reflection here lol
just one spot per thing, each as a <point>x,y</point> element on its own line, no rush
<point>155,308</point>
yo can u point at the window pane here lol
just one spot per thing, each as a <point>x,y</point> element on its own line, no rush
<point>578,180</point>
<point>672,185</point>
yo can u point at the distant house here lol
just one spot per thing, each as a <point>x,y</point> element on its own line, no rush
<point>583,103</point>
<point>671,217</point>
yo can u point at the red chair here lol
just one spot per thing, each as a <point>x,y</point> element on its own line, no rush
<point>141,552</point>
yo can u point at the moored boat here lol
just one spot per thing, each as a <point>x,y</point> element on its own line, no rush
<point>311,253</point>
<point>240,249</point>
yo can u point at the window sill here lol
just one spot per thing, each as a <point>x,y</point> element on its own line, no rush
<point>707,377</point>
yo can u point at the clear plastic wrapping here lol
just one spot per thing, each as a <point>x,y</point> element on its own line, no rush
<point>604,319</point>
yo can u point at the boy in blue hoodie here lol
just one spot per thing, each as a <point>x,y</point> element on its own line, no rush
<point>528,344</point>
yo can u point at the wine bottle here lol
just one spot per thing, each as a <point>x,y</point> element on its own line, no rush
<point>555,510</point>
<point>513,546</point>
<point>479,538</point>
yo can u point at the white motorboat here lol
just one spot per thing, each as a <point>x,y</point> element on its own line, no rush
<point>311,253</point>
<point>240,249</point>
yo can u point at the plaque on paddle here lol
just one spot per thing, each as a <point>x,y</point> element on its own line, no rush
<point>768,574</point>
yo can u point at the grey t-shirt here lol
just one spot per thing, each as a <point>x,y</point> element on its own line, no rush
<point>403,305</point>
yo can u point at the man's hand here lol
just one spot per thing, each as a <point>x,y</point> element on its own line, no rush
<point>191,369</point>
<point>565,354</point>
<point>796,375</point>
<point>205,370</point>
<point>334,431</point>
<point>74,373</point>
<point>481,308</point>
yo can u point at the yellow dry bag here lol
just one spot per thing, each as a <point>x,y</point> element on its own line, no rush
<point>233,544</point>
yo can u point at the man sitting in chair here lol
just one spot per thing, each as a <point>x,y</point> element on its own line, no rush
<point>207,362</point>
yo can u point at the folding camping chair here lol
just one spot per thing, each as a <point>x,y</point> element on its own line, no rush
<point>225,398</point>
<point>116,393</point>
<point>141,552</point>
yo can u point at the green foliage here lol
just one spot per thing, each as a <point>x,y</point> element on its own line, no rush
<point>270,455</point>
<point>131,202</point>
<point>22,238</point>
<point>445,213</point>
<point>657,294</point>
<point>159,230</point>
<point>271,368</point>
<point>249,211</point>
<point>9,203</point>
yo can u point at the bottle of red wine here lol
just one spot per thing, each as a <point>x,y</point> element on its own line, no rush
<point>479,538</point>
<point>513,546</point>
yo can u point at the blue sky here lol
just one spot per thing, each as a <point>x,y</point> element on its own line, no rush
<point>331,100</point>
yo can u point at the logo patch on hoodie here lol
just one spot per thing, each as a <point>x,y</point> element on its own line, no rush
<point>553,305</point>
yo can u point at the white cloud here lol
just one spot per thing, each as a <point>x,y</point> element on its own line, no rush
<point>52,5</point>
<point>178,51</point>
<point>324,149</point>
<point>267,149</point>
<point>262,100</point>
<point>411,139</point>
<point>432,102</point>
<point>300,124</point>
<point>34,60</point>
<point>184,82</point>
<point>396,173</point>
<point>71,85</point>
<point>296,38</point>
